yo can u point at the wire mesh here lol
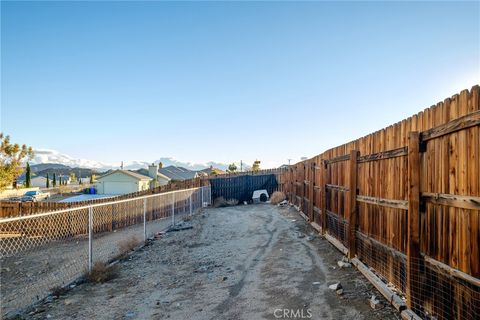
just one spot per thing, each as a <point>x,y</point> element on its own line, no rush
<point>42,252</point>
<point>39,253</point>
<point>337,227</point>
<point>386,262</point>
<point>439,295</point>
<point>435,292</point>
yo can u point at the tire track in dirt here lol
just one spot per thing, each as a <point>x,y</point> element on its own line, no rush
<point>246,268</point>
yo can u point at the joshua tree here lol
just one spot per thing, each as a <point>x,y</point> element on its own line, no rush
<point>232,168</point>
<point>256,165</point>
<point>11,158</point>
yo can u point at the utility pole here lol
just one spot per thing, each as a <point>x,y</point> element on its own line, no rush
<point>289,161</point>
<point>241,166</point>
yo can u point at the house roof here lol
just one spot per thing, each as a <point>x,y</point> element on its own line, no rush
<point>135,175</point>
<point>22,179</point>
<point>145,172</point>
<point>177,173</point>
<point>211,170</point>
<point>38,178</point>
<point>159,174</point>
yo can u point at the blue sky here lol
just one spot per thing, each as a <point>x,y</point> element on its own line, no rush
<point>221,81</point>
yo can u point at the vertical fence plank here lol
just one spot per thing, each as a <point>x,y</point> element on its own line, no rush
<point>311,185</point>
<point>352,203</point>
<point>413,221</point>
<point>324,197</point>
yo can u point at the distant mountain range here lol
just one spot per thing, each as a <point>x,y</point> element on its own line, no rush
<point>62,170</point>
<point>51,159</point>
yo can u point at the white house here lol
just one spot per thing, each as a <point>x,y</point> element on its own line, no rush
<point>39,181</point>
<point>122,182</point>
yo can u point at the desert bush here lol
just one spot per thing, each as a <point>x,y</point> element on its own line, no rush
<point>232,202</point>
<point>221,202</point>
<point>277,197</point>
<point>101,273</point>
<point>128,244</point>
<point>59,291</point>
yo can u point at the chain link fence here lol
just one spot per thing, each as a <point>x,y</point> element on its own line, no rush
<point>43,252</point>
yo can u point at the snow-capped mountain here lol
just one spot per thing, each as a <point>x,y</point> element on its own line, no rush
<point>55,157</point>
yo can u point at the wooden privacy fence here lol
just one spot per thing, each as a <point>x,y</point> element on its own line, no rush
<point>405,201</point>
<point>15,209</point>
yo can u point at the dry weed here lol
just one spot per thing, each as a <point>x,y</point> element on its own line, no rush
<point>101,273</point>
<point>277,197</point>
<point>221,202</point>
<point>128,244</point>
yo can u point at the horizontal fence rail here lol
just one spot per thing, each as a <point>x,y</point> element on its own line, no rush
<point>405,201</point>
<point>45,251</point>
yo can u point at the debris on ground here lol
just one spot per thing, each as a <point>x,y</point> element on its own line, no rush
<point>299,235</point>
<point>335,286</point>
<point>179,228</point>
<point>284,203</point>
<point>375,303</point>
<point>343,264</point>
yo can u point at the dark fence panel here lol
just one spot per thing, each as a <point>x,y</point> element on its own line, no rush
<point>242,187</point>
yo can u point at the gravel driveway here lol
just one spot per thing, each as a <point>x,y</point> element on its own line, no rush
<point>243,262</point>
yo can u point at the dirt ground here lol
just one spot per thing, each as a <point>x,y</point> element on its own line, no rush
<point>58,263</point>
<point>243,262</point>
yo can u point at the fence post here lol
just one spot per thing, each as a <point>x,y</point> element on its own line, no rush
<point>413,217</point>
<point>352,204</point>
<point>324,196</point>
<point>145,219</point>
<point>173,208</point>
<point>311,186</point>
<point>201,205</point>
<point>190,203</point>
<point>90,238</point>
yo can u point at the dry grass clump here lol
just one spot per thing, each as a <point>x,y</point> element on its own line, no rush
<point>128,244</point>
<point>101,273</point>
<point>232,202</point>
<point>221,202</point>
<point>277,197</point>
<point>59,291</point>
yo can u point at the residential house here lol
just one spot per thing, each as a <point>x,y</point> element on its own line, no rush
<point>211,171</point>
<point>36,181</point>
<point>179,173</point>
<point>122,182</point>
<point>39,181</point>
<point>157,176</point>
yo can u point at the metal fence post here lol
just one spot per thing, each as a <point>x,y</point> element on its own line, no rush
<point>173,209</point>
<point>90,238</point>
<point>190,200</point>
<point>201,205</point>
<point>144,219</point>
